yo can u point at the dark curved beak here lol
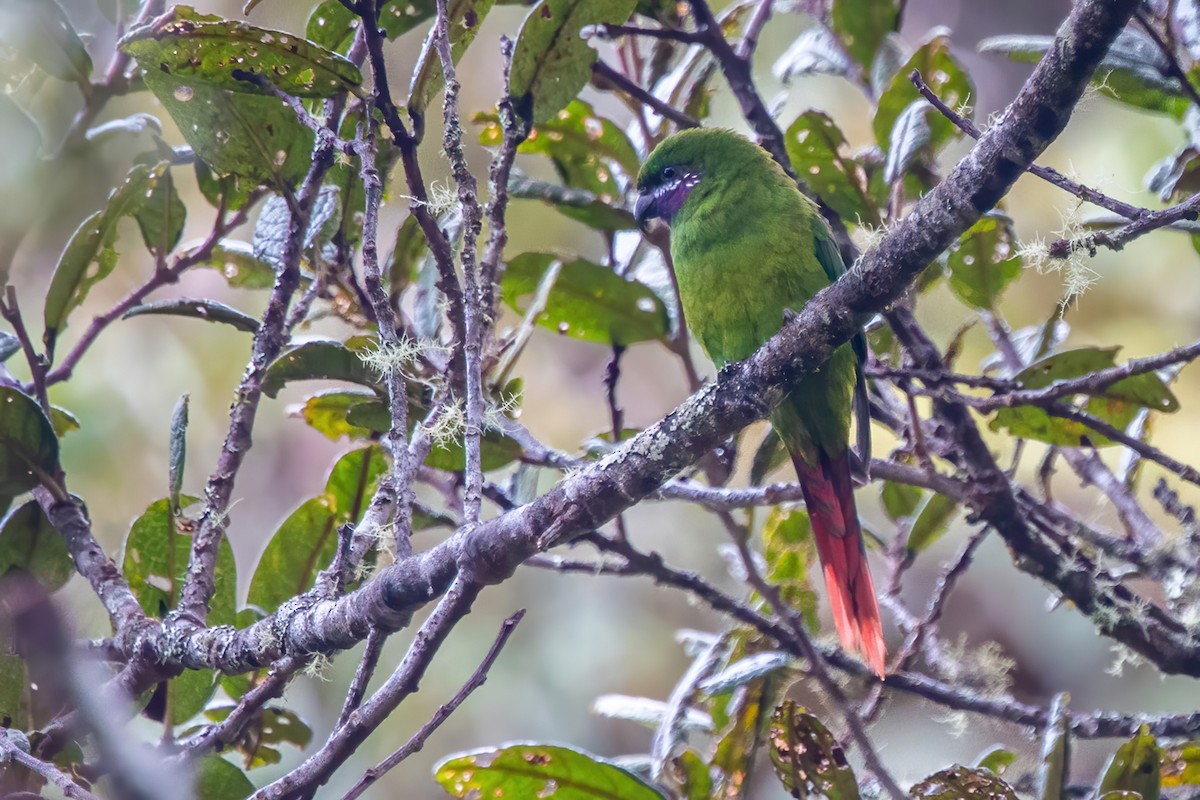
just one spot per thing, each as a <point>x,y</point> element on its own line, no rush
<point>644,209</point>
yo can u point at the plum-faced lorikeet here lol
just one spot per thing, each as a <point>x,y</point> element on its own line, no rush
<point>748,246</point>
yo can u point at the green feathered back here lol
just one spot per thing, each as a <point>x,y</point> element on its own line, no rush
<point>747,245</point>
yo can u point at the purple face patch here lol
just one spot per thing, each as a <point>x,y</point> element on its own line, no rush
<point>671,196</point>
<point>665,200</point>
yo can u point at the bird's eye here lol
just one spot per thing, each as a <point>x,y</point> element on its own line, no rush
<point>669,173</point>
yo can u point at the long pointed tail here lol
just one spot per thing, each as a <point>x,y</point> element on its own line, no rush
<point>829,495</point>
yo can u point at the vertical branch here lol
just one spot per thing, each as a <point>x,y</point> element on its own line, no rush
<point>471,343</point>
<point>272,335</point>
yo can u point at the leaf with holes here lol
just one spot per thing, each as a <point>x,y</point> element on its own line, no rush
<point>207,310</point>
<point>235,260</point>
<point>1181,765</point>
<point>551,62</point>
<point>29,542</point>
<point>538,770</point>
<point>814,146</point>
<point>806,757</point>
<point>862,25</point>
<point>958,782</point>
<point>588,301</point>
<point>984,261</point>
<point>1135,767</point>
<point>583,146</point>
<point>28,446</point>
<point>464,17</point>
<point>944,74</point>
<point>790,550</point>
<point>237,56</point>
<point>331,25</point>
<point>250,138</point>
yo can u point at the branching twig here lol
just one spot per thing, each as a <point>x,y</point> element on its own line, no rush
<point>418,739</point>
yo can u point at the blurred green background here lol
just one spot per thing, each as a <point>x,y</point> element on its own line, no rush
<point>588,636</point>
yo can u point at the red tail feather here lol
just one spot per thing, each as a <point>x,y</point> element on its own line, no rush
<point>829,495</point>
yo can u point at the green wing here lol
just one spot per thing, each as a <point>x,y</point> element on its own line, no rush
<point>831,261</point>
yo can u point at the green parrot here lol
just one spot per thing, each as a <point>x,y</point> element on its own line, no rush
<point>747,247</point>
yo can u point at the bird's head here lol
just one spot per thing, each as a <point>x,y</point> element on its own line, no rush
<point>691,164</point>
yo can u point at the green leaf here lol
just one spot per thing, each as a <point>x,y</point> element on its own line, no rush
<point>352,481</point>
<point>28,446</point>
<point>39,31</point>
<point>327,412</point>
<point>695,776</point>
<point>583,146</point>
<point>496,451</point>
<point>90,256</point>
<point>530,770</point>
<point>984,261</point>
<point>208,310</point>
<point>217,779</point>
<point>944,75</point>
<point>232,54</point>
<point>155,563</point>
<point>323,359</point>
<point>162,215</point>
<point>15,694</point>
<point>156,559</point>
<point>997,760</point>
<point>332,25</point>
<point>862,24</point>
<point>957,783</point>
<point>302,547</point>
<point>401,264</point>
<point>231,124</point>
<point>1181,765</point>
<point>241,268</point>
<point>807,758</point>
<point>814,146</point>
<point>933,520</point>
<point>464,17</point>
<point>790,550</point>
<point>1133,72</point>
<point>551,62</point>
<point>588,301</point>
<point>1117,405</point>
<point>268,727</point>
<point>29,542</point>
<point>22,167</point>
<point>1135,767</point>
<point>899,500</point>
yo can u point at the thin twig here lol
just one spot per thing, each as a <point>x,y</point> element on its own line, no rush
<point>418,739</point>
<point>606,73</point>
<point>50,773</point>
